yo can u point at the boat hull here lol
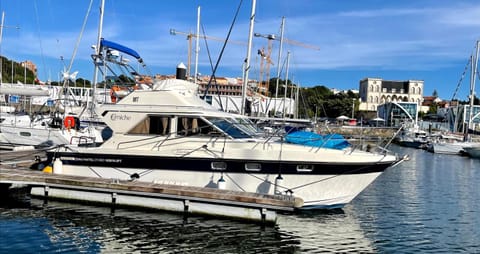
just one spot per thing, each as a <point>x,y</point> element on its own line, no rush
<point>473,152</point>
<point>323,185</point>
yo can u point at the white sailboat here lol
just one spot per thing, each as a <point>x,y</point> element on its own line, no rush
<point>40,130</point>
<point>449,144</point>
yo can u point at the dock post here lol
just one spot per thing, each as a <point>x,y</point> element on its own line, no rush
<point>263,212</point>
<point>186,204</point>
<point>46,189</point>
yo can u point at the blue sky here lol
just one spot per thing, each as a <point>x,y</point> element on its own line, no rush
<point>430,40</point>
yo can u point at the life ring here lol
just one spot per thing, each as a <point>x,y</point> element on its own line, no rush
<point>113,97</point>
<point>69,122</point>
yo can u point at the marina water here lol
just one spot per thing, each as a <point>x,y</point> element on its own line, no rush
<point>430,203</point>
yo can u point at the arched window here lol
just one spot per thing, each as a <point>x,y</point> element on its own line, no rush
<point>377,89</point>
<point>376,99</point>
<point>419,90</point>
<point>370,99</point>
<point>370,88</point>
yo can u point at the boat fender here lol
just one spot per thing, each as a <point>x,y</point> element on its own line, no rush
<point>48,169</point>
<point>57,166</point>
<point>278,184</point>
<point>69,122</point>
<point>222,185</point>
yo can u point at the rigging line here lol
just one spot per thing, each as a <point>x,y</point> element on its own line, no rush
<point>80,36</point>
<point>223,48</point>
<point>268,181</point>
<point>211,66</point>
<point>461,78</point>
<point>39,35</point>
<point>95,172</point>
<point>279,75</point>
<point>328,178</point>
<point>234,182</point>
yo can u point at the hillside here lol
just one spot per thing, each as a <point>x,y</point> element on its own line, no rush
<point>13,73</point>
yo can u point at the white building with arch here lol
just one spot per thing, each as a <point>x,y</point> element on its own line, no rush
<point>376,91</point>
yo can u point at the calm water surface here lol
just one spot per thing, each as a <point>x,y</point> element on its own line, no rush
<point>430,204</point>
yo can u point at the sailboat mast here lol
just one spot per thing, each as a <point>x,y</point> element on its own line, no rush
<point>278,66</point>
<point>97,55</point>
<point>473,75</point>
<point>247,60</point>
<point>1,34</point>
<point>286,85</point>
<point>197,45</point>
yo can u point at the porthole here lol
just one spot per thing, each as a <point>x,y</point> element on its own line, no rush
<point>253,167</point>
<point>218,165</point>
<point>304,168</point>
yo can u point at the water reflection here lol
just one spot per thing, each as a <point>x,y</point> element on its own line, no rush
<point>326,231</point>
<point>428,204</point>
<point>64,227</point>
<point>82,228</point>
<point>425,204</point>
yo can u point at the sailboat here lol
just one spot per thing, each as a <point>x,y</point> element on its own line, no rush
<point>40,130</point>
<point>449,144</point>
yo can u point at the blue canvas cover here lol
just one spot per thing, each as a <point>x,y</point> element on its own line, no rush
<point>121,48</point>
<point>334,141</point>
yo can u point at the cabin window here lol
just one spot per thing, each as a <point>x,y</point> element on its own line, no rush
<point>236,128</point>
<point>158,125</point>
<point>191,126</point>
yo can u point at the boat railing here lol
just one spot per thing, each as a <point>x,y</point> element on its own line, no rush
<point>157,142</point>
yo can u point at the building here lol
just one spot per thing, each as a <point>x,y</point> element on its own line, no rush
<point>429,101</point>
<point>398,113</point>
<point>31,66</point>
<point>376,91</point>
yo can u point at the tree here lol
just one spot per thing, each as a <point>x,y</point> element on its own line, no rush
<point>435,93</point>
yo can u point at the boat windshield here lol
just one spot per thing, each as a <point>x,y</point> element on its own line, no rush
<point>235,127</point>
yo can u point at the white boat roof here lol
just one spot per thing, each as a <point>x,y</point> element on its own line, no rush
<point>166,96</point>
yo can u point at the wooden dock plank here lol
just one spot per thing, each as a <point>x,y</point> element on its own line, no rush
<point>282,202</point>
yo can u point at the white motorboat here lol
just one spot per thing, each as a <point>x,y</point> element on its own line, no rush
<point>448,144</point>
<point>169,135</point>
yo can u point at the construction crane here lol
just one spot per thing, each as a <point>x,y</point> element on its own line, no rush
<point>191,36</point>
<point>267,56</point>
<point>265,63</point>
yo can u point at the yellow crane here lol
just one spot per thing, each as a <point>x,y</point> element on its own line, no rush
<point>263,87</point>
<point>191,36</point>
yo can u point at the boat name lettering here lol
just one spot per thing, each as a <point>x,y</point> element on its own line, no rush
<point>91,159</point>
<point>117,117</point>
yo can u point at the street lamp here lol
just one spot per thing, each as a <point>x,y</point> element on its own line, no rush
<point>315,114</point>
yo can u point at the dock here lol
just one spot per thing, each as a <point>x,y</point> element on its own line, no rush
<point>20,155</point>
<point>182,199</point>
